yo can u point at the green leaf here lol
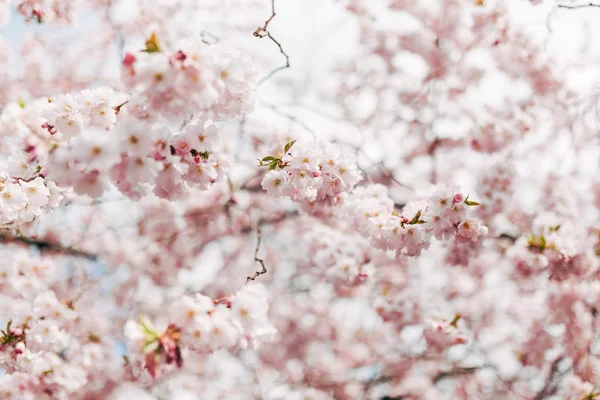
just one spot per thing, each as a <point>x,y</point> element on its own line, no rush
<point>268,158</point>
<point>416,218</point>
<point>288,146</point>
<point>148,327</point>
<point>542,242</point>
<point>273,165</point>
<point>554,228</point>
<point>93,337</point>
<point>153,45</point>
<point>455,320</point>
<point>470,202</point>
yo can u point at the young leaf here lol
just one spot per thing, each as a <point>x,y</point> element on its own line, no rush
<point>268,158</point>
<point>288,146</point>
<point>148,327</point>
<point>416,218</point>
<point>273,165</point>
<point>455,320</point>
<point>153,45</point>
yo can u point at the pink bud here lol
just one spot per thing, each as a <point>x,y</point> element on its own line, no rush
<point>316,174</point>
<point>458,198</point>
<point>129,60</point>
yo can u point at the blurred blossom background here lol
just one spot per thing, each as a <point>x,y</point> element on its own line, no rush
<point>497,97</point>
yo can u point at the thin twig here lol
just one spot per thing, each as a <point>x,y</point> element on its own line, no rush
<point>590,4</point>
<point>291,118</point>
<point>261,32</point>
<point>259,260</point>
<point>287,60</point>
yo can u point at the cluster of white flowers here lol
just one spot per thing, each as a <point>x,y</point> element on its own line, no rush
<point>46,340</point>
<point>441,334</point>
<point>208,81</point>
<point>311,173</point>
<point>24,200</point>
<point>172,161</point>
<point>68,114</point>
<point>445,215</point>
<point>51,12</point>
<point>75,141</point>
<point>342,258</point>
<point>203,324</point>
<point>495,186</point>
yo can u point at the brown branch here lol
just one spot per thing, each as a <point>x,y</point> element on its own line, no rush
<point>456,372</point>
<point>287,60</point>
<point>259,260</point>
<point>45,246</point>
<point>261,32</point>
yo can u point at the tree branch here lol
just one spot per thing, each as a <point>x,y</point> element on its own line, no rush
<point>569,6</point>
<point>457,372</point>
<point>261,32</point>
<point>45,246</point>
<point>259,260</point>
<point>551,386</point>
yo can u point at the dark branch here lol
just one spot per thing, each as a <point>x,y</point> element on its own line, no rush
<point>259,260</point>
<point>45,246</point>
<point>287,60</point>
<point>456,372</point>
<point>508,236</point>
<point>551,385</point>
<point>569,6</point>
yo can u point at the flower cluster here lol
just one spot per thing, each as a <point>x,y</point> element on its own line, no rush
<point>78,144</point>
<point>445,215</point>
<point>318,174</point>
<point>49,347</point>
<point>342,259</point>
<point>208,81</point>
<point>496,189</point>
<point>22,200</point>
<point>442,334</point>
<point>51,12</point>
<point>202,324</point>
